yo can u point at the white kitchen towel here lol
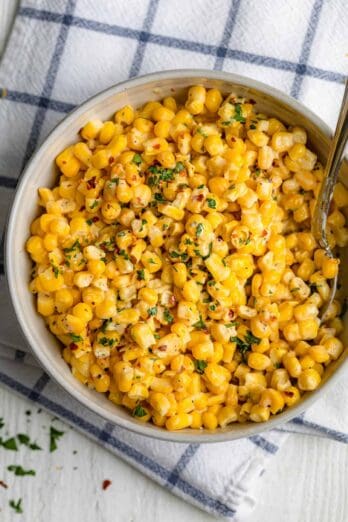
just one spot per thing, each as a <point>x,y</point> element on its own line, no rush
<point>63,51</point>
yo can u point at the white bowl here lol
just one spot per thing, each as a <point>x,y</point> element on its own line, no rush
<point>41,171</point>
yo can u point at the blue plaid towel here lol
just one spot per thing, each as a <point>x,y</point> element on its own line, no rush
<point>63,51</point>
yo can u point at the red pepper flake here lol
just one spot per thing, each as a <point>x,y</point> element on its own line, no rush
<point>264,233</point>
<point>3,484</point>
<point>162,348</point>
<point>91,183</point>
<point>106,484</point>
<point>82,208</point>
<point>111,160</point>
<point>252,102</point>
<point>73,346</point>
<point>200,197</point>
<point>95,219</point>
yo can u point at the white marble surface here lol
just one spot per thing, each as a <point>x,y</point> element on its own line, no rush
<point>306,481</point>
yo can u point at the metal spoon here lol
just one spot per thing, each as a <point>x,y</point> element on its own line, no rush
<point>322,207</point>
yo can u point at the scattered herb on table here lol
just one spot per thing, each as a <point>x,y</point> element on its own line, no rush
<point>17,506</point>
<point>19,471</point>
<point>9,444</point>
<point>54,437</point>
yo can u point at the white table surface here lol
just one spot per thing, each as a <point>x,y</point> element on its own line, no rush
<point>307,481</point>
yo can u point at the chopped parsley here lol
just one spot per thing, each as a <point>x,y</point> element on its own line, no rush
<point>200,325</point>
<point>140,275</point>
<point>168,316</point>
<point>105,341</point>
<point>124,254</point>
<point>238,116</point>
<point>177,255</point>
<point>201,132</point>
<point>231,324</point>
<point>200,366</point>
<point>211,203</point>
<point>9,444</point>
<point>54,436</point>
<point>94,204</point>
<point>89,221</point>
<point>199,229</point>
<point>212,307</point>
<point>56,271</point>
<point>152,311</point>
<point>17,506</point>
<point>252,126</point>
<point>179,167</point>
<point>25,440</point>
<point>139,411</point>
<point>73,247</point>
<point>159,197</point>
<point>76,338</point>
<point>244,345</point>
<point>20,472</point>
<point>137,159</point>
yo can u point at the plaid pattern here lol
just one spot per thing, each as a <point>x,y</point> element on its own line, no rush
<point>75,48</point>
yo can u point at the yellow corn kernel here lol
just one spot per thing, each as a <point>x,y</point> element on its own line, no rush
<point>272,399</point>
<point>125,115</point>
<point>179,421</point>
<point>68,164</point>
<point>292,365</point>
<point>259,413</point>
<point>258,361</point>
<point>291,395</point>
<point>213,100</point>
<point>329,267</point>
<point>309,380</point>
<point>107,132</point>
<point>209,420</point>
<point>142,335</point>
<point>83,311</point>
<point>159,403</point>
<point>45,304</point>
<point>334,347</point>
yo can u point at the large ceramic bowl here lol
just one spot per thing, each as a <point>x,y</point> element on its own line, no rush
<point>41,171</point>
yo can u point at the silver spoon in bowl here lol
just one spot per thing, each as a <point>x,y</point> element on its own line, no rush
<point>321,211</point>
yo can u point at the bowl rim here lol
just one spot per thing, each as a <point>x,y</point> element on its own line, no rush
<point>246,430</point>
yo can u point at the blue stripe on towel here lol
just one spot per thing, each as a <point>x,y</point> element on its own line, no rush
<point>306,47</point>
<point>179,43</point>
<point>50,79</point>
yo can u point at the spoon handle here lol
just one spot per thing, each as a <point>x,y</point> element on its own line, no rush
<point>330,176</point>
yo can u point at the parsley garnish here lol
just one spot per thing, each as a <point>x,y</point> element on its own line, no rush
<point>20,472</point>
<point>159,197</point>
<point>200,366</point>
<point>73,247</point>
<point>56,271</point>
<point>252,126</point>
<point>25,440</point>
<point>244,346</point>
<point>175,254</point>
<point>94,204</point>
<point>168,316</point>
<point>238,113</point>
<point>152,311</point>
<point>200,325</point>
<point>17,506</point>
<point>89,221</point>
<point>9,444</point>
<point>211,203</point>
<point>105,341</point>
<point>199,229</point>
<point>140,275</point>
<point>232,323</point>
<point>139,411</point>
<point>75,338</point>
<point>137,159</point>
<point>54,436</point>
<point>124,254</point>
<point>179,167</point>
